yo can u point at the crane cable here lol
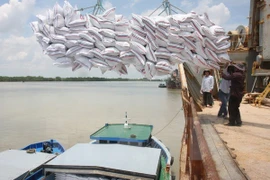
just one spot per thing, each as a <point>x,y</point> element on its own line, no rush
<point>168,122</point>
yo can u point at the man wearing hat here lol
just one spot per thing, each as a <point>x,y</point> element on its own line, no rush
<point>207,87</point>
<point>237,77</point>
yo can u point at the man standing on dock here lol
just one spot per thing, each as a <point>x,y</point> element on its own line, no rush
<point>237,77</point>
<point>207,88</point>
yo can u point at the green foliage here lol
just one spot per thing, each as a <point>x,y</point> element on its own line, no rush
<point>40,78</point>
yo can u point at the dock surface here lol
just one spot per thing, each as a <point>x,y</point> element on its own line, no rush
<point>239,151</point>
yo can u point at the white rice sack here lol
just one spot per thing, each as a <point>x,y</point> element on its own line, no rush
<point>71,43</point>
<point>73,36</point>
<point>140,68</point>
<point>97,53</point>
<point>40,35</point>
<point>64,60</point>
<point>57,9</point>
<point>186,27</point>
<point>152,42</point>
<point>164,66</point>
<point>87,37</point>
<point>50,17</point>
<point>187,54</point>
<point>67,9</point>
<point>198,37</point>
<point>85,52</point>
<point>139,39</point>
<point>217,30</point>
<point>127,56</point>
<point>85,44</point>
<point>55,54</point>
<point>99,45</point>
<point>46,40</point>
<point>137,20</point>
<point>58,39</point>
<point>205,19</point>
<point>118,17</point>
<point>122,26</point>
<point>78,29</point>
<point>150,55</point>
<point>162,55</point>
<point>213,64</point>
<point>150,70</point>
<point>107,33</point>
<point>95,33</point>
<point>175,48</point>
<point>99,63</point>
<point>76,66</point>
<point>189,44</point>
<point>138,30</point>
<point>112,60</point>
<point>162,21</point>
<point>197,26</point>
<point>122,46</point>
<point>34,26</point>
<point>150,32</point>
<point>120,69</point>
<point>108,42</point>
<point>59,21</point>
<point>160,41</point>
<point>56,47</point>
<point>208,33</point>
<point>198,60</point>
<point>106,24</point>
<point>211,55</point>
<point>222,40</point>
<point>48,30</point>
<point>209,44</point>
<point>135,46</point>
<point>139,58</point>
<point>43,45</point>
<point>174,29</point>
<point>109,14</point>
<point>62,31</point>
<point>200,50</point>
<point>73,50</point>
<point>224,57</point>
<point>111,51</point>
<point>94,21</point>
<point>149,22</point>
<point>122,36</point>
<point>162,32</point>
<point>41,19</point>
<point>77,22</point>
<point>173,38</point>
<point>177,58</point>
<point>84,61</point>
<point>162,50</point>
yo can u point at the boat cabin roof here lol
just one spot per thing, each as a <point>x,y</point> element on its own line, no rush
<point>114,160</point>
<point>117,132</point>
<point>15,164</point>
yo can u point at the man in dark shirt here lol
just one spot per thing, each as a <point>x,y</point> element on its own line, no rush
<point>237,77</point>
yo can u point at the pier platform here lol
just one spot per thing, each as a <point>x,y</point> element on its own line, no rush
<point>239,152</point>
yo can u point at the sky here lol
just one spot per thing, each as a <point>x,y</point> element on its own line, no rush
<point>21,55</point>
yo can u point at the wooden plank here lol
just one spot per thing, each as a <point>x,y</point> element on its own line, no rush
<point>226,166</point>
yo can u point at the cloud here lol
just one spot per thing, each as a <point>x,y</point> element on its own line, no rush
<point>107,5</point>
<point>186,3</point>
<point>14,15</point>
<point>219,13</point>
<point>134,3</point>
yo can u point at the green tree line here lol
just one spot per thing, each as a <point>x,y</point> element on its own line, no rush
<point>40,78</point>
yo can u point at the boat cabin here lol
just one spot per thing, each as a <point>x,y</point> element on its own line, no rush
<point>106,161</point>
<point>129,134</point>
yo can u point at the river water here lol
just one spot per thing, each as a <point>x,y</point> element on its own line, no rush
<point>70,111</point>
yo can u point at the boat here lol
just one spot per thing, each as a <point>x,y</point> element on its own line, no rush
<point>117,151</point>
<point>162,85</point>
<point>27,163</point>
<point>49,146</point>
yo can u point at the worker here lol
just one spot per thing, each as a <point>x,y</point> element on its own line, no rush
<point>237,77</point>
<point>207,88</point>
<point>223,95</point>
